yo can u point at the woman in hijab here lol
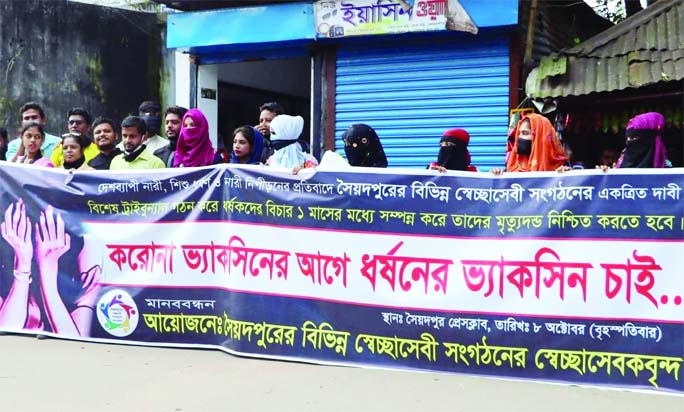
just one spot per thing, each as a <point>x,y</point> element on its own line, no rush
<point>362,146</point>
<point>248,146</point>
<point>536,147</point>
<point>194,148</point>
<point>285,131</point>
<point>453,152</point>
<point>644,147</point>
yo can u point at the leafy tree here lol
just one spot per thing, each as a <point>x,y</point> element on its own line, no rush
<point>616,10</point>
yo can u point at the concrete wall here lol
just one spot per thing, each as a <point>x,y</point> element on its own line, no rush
<point>65,54</point>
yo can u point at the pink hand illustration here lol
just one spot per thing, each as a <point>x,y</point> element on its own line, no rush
<point>51,241</point>
<point>16,230</point>
<point>91,284</point>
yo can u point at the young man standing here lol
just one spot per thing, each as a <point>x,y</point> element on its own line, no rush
<point>32,112</point>
<point>78,121</point>
<point>267,112</point>
<point>150,112</point>
<point>104,135</point>
<point>173,118</point>
<point>135,155</point>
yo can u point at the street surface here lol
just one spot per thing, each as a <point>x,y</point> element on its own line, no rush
<point>60,375</point>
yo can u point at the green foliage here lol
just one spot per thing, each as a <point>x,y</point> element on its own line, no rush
<point>611,10</point>
<point>147,5</point>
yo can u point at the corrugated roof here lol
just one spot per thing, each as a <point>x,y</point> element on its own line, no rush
<point>645,49</point>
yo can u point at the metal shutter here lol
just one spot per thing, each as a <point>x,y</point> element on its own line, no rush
<point>410,94</point>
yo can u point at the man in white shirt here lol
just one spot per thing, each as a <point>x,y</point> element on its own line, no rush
<point>32,112</point>
<point>150,112</point>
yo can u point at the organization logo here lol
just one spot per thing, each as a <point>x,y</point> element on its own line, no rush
<point>117,313</point>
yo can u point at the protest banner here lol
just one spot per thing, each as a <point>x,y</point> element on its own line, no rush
<point>572,278</point>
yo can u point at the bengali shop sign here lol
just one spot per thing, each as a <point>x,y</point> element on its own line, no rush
<point>367,17</point>
<point>574,278</point>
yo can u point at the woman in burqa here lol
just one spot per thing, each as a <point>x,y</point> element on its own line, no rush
<point>453,152</point>
<point>644,147</point>
<point>362,146</point>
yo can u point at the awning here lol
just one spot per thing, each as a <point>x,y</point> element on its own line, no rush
<point>646,49</point>
<point>282,29</point>
<point>237,29</point>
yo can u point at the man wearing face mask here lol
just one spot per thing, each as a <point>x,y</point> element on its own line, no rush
<point>150,112</point>
<point>173,121</point>
<point>453,152</point>
<point>135,155</point>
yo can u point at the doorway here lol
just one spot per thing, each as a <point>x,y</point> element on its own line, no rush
<point>244,86</point>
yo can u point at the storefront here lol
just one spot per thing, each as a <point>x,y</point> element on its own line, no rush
<point>390,64</point>
<point>634,67</point>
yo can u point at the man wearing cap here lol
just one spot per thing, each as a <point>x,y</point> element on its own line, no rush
<point>453,152</point>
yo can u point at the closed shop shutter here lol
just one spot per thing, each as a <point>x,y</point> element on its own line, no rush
<point>413,92</point>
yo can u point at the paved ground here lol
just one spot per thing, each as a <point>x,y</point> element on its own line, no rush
<point>59,375</point>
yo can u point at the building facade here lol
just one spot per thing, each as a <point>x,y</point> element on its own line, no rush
<point>409,69</point>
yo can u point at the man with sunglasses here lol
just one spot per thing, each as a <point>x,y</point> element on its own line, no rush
<point>78,121</point>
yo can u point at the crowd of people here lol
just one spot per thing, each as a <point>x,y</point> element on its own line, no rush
<point>275,140</point>
<point>95,145</point>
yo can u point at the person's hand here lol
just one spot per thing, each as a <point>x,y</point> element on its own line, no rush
<point>441,169</point>
<point>603,168</point>
<point>90,283</point>
<point>16,230</point>
<point>496,171</point>
<point>20,153</point>
<point>297,169</point>
<point>563,169</point>
<point>52,241</point>
<point>263,129</point>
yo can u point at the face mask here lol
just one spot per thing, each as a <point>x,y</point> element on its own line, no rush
<point>153,123</point>
<point>524,147</point>
<point>638,143</point>
<point>452,157</point>
<point>356,156</point>
<point>638,153</point>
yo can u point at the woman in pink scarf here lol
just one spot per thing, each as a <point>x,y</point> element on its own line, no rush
<point>644,147</point>
<point>194,147</point>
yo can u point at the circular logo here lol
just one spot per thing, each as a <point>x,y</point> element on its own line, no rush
<point>323,28</point>
<point>117,313</point>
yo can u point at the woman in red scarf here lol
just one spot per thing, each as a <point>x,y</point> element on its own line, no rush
<point>536,147</point>
<point>453,152</point>
<point>194,147</point>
